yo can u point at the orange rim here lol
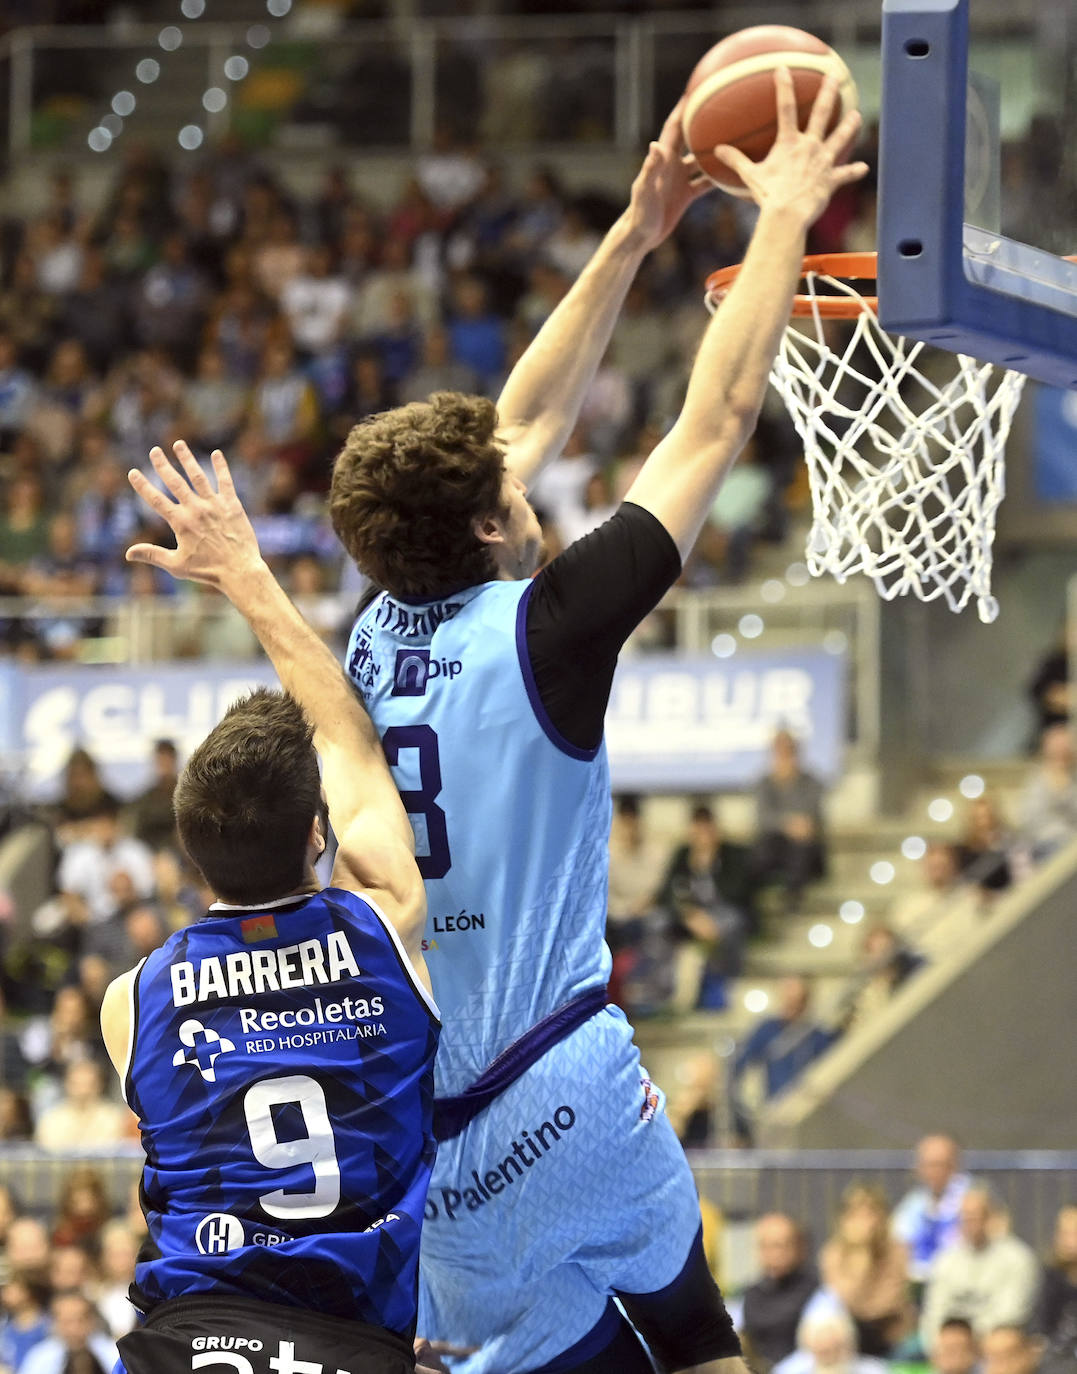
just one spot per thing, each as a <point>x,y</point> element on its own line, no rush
<point>847,266</point>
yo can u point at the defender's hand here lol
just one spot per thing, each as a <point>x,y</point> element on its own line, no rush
<point>215,542</point>
<point>665,186</point>
<point>799,173</point>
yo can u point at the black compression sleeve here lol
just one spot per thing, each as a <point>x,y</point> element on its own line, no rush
<point>582,608</point>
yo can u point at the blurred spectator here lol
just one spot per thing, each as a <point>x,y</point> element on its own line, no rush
<point>214,402</point>
<point>95,313</point>
<point>153,822</point>
<point>68,1035</point>
<point>476,334</point>
<point>789,846</point>
<point>367,392</point>
<point>559,490</point>
<point>316,303</point>
<point>942,904</point>
<point>119,1251</point>
<point>693,1102</point>
<point>784,1045</point>
<point>596,508</point>
<point>24,528</point>
<point>1010,1349</point>
<point>89,865</point>
<point>24,1302</point>
<point>737,515</point>
<point>572,244</point>
<point>77,1345</point>
<point>16,1123</point>
<point>608,407</point>
<point>988,1277</point>
<point>170,303</point>
<point>71,1270</point>
<point>955,1350</point>
<point>1050,686</point>
<point>284,404</point>
<point>867,1269</point>
<point>885,965</point>
<point>83,1208</point>
<point>106,515</point>
<point>27,1248</point>
<point>450,175</point>
<point>371,312</point>
<point>927,1219</point>
<point>774,1305</point>
<point>84,794</point>
<point>83,1113</point>
<point>636,860</point>
<point>983,850</point>
<point>27,318</point>
<point>1055,1318</point>
<point>437,370</point>
<point>826,1344</point>
<point>1048,806</point>
<point>707,890</point>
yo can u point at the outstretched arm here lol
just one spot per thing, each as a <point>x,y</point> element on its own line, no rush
<point>792,185</point>
<point>216,544</point>
<point>541,401</point>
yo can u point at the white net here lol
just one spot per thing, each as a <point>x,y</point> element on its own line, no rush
<point>904,449</point>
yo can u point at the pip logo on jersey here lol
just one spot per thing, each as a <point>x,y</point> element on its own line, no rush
<point>204,1048</point>
<point>218,1233</point>
<point>415,668</point>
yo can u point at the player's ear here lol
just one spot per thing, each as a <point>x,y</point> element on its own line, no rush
<point>488,529</point>
<point>317,834</point>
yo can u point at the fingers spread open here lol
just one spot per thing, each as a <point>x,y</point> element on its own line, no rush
<point>845,132</point>
<point>168,474</point>
<point>153,496</point>
<point>853,171</point>
<point>672,136</point>
<point>823,107</point>
<point>786,101</point>
<point>220,471</point>
<point>733,157</point>
<point>152,554</point>
<point>197,478</point>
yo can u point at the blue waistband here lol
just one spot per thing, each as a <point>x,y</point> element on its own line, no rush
<point>453,1114</point>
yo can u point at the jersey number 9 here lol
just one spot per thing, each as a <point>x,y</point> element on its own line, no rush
<point>317,1148</point>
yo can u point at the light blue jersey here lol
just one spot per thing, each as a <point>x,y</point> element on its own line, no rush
<point>570,1185</point>
<point>511,821</point>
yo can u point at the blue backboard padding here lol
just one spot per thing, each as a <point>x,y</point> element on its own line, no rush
<point>1016,306</point>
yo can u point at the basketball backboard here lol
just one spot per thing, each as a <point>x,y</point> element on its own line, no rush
<point>947,271</point>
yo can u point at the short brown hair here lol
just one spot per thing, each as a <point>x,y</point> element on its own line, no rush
<point>407,488</point>
<point>246,800</point>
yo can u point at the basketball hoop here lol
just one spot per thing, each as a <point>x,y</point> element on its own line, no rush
<point>904,444</point>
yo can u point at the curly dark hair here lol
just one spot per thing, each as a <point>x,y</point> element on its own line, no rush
<point>408,487</point>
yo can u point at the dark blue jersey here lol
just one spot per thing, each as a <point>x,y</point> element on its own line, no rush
<point>282,1070</point>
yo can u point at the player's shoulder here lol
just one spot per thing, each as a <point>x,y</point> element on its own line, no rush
<point>117,1016</point>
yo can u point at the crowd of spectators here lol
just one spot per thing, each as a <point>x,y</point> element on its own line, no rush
<point>205,299</point>
<point>939,1283</point>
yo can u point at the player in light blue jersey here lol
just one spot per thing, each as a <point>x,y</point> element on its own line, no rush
<point>279,1051</point>
<point>559,1183</point>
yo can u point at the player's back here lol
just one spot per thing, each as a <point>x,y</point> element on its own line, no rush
<point>511,821</point>
<point>282,1070</point>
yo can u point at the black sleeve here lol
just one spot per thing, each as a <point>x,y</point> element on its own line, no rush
<point>581,609</point>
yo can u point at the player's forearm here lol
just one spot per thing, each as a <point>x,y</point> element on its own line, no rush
<point>355,773</point>
<point>544,393</point>
<point>729,379</point>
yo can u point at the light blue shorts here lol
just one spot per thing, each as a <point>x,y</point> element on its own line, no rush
<point>570,1186</point>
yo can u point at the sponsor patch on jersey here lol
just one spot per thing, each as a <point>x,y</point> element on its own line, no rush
<point>650,1100</point>
<point>203,1047</point>
<point>256,928</point>
<point>415,668</point>
<point>219,1233</point>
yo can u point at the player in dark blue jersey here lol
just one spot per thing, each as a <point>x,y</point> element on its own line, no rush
<point>279,1052</point>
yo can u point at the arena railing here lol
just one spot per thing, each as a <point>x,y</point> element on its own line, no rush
<point>513,80</point>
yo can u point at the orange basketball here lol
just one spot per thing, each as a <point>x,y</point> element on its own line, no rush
<point>730,94</point>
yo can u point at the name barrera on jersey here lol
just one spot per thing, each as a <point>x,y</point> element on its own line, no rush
<point>264,970</point>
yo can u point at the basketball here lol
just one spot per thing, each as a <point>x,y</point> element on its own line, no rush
<point>731,99</point>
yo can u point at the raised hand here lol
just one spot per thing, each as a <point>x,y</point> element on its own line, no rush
<point>799,173</point>
<point>665,185</point>
<point>215,542</point>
